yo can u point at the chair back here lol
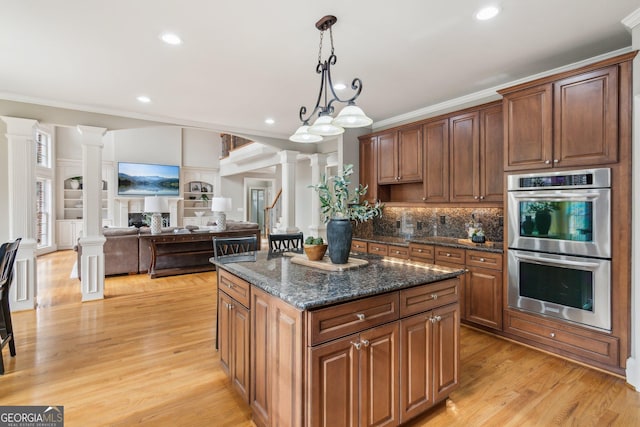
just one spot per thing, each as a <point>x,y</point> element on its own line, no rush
<point>8,253</point>
<point>292,242</point>
<point>235,249</point>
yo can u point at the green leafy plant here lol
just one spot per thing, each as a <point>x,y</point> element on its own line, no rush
<point>547,207</point>
<point>337,201</point>
<point>313,241</point>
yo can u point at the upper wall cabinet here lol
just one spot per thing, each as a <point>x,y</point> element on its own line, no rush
<point>571,121</point>
<point>400,156</point>
<point>436,161</point>
<point>368,167</point>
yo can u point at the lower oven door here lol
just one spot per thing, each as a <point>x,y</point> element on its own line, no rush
<point>570,288</point>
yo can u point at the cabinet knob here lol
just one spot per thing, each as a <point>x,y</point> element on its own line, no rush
<point>481,259</point>
<point>230,306</point>
<point>435,319</point>
<point>424,199</point>
<point>360,316</point>
<point>448,254</point>
<point>475,197</point>
<point>438,318</point>
<point>481,197</point>
<point>229,285</point>
<point>546,162</point>
<point>434,296</point>
<point>555,160</point>
<point>357,345</point>
<point>365,343</point>
<point>419,250</point>
<point>552,334</point>
<point>397,252</point>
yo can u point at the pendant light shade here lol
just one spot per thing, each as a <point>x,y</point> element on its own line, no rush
<point>324,126</point>
<point>303,135</point>
<point>352,116</point>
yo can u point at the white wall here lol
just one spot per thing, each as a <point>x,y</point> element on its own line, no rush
<point>303,195</point>
<point>4,182</point>
<point>201,148</point>
<point>157,145</point>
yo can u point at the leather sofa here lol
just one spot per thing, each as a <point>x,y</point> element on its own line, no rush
<point>126,253</point>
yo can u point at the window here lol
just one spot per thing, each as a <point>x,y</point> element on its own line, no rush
<point>43,212</point>
<point>43,149</point>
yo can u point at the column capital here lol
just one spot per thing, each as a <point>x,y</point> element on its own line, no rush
<point>287,156</point>
<point>318,159</point>
<point>91,135</point>
<point>17,126</point>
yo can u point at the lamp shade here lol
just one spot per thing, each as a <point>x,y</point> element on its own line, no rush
<point>303,135</point>
<point>323,126</point>
<point>220,204</point>
<point>153,204</point>
<point>352,116</point>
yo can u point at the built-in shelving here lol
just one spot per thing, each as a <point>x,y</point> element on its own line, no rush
<point>197,198</point>
<point>72,198</point>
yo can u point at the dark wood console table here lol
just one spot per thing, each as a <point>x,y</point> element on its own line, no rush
<point>181,253</point>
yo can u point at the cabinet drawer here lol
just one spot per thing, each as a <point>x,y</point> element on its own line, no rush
<point>358,246</point>
<point>429,296</point>
<point>419,252</point>
<point>398,252</point>
<point>451,255</point>
<point>482,259</point>
<point>377,248</point>
<point>569,340</point>
<point>343,319</point>
<point>234,286</point>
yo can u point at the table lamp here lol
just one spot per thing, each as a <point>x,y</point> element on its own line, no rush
<point>153,205</point>
<point>219,205</point>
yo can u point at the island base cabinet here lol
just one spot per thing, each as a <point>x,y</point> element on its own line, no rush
<point>353,381</point>
<point>234,342</point>
<point>429,367</point>
<point>277,383</point>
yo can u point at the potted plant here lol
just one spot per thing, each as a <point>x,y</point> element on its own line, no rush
<point>315,248</point>
<point>542,211</point>
<point>339,207</point>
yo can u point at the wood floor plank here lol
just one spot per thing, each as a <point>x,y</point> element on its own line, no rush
<point>145,356</point>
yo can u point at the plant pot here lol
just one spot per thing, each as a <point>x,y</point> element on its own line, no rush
<point>339,235</point>
<point>543,223</point>
<point>315,252</point>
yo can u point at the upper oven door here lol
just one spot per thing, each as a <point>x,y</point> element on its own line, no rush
<point>578,221</point>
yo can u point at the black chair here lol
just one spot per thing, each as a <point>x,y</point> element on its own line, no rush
<point>293,242</point>
<point>8,253</point>
<point>232,249</point>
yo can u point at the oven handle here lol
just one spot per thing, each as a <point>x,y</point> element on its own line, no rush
<point>540,260</point>
<point>557,197</point>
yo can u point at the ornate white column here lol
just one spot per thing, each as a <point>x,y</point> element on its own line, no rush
<point>288,161</point>
<point>22,209</point>
<point>318,164</point>
<point>92,240</point>
<point>632,22</point>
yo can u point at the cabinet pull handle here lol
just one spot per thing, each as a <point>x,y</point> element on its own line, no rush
<point>434,296</point>
<point>230,306</point>
<point>555,160</point>
<point>448,254</point>
<point>365,343</point>
<point>229,285</point>
<point>552,334</point>
<point>546,162</point>
<point>357,345</point>
<point>466,270</point>
<point>360,316</point>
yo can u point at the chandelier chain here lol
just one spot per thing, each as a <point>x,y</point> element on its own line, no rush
<point>320,48</point>
<point>331,37</point>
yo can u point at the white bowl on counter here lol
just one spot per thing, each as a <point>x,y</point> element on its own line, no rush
<point>199,213</point>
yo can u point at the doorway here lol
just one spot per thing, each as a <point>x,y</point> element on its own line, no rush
<point>257,198</point>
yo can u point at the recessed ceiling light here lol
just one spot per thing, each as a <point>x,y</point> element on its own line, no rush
<point>269,121</point>
<point>340,86</point>
<point>170,38</point>
<point>144,99</point>
<point>487,13</point>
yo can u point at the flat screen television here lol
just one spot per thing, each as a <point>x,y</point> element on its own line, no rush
<point>143,179</point>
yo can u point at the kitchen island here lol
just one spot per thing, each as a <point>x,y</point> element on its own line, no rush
<point>374,345</point>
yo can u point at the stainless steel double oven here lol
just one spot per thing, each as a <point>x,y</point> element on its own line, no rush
<point>559,240</point>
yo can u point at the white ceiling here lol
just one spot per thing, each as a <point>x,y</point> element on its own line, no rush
<point>244,61</point>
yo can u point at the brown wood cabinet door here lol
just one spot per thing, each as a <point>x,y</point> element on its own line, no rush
<point>484,297</point>
<point>464,143</point>
<point>368,172</point>
<point>491,154</point>
<point>332,389</point>
<point>286,364</point>
<point>379,373</point>
<point>446,356</point>
<point>387,158</point>
<point>260,395</point>
<point>240,353</point>
<point>528,128</point>
<point>462,286</point>
<point>436,161</point>
<point>416,366</point>
<point>410,155</point>
<point>224,330</point>
<point>586,119</point>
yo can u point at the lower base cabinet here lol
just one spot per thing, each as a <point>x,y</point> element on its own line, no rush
<point>233,344</point>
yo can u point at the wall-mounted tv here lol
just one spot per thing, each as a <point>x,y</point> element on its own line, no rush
<point>142,179</point>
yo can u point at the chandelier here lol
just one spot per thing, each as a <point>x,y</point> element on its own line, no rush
<point>350,116</point>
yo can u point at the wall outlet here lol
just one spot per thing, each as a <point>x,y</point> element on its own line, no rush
<point>443,219</point>
<point>419,225</point>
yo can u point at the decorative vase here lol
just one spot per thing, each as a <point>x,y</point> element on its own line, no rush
<point>543,223</point>
<point>75,184</point>
<point>527,225</point>
<point>339,235</point>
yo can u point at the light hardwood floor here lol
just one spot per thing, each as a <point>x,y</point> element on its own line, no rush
<point>145,355</point>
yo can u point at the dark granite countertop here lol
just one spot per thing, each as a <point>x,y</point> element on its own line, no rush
<point>496,247</point>
<point>307,287</point>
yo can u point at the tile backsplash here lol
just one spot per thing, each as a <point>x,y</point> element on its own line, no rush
<point>432,222</point>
